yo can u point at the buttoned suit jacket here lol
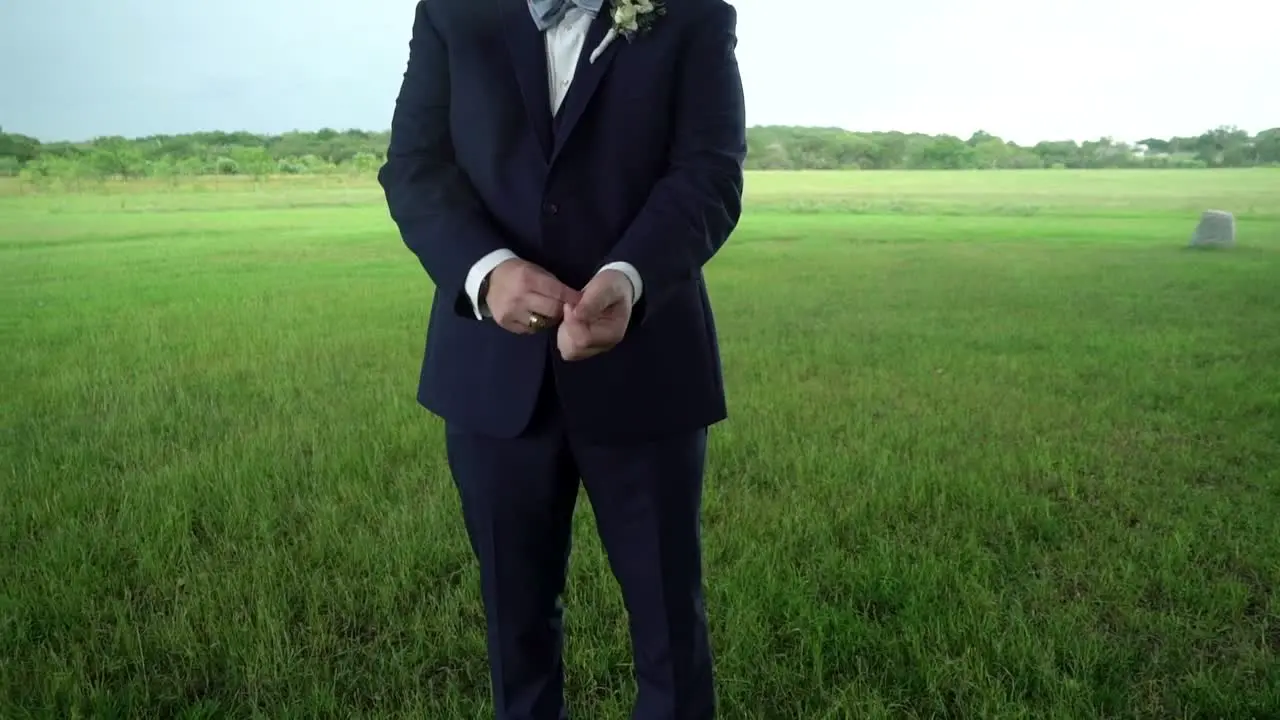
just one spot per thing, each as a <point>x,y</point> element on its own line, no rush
<point>643,163</point>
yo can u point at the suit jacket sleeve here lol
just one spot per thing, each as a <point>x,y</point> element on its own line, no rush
<point>693,209</point>
<point>437,210</point>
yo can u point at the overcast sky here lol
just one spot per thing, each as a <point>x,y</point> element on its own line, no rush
<point>1026,70</point>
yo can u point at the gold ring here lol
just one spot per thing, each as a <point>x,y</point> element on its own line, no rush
<point>536,321</point>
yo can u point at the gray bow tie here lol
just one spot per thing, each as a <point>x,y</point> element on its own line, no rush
<point>549,13</point>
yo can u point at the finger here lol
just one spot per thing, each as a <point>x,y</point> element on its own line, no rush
<point>541,283</point>
<point>603,338</point>
<point>569,340</point>
<point>598,338</point>
<point>546,307</point>
<point>579,335</point>
<point>596,299</point>
<point>583,354</point>
<point>591,351</point>
<point>519,321</point>
<point>517,326</point>
<point>574,352</point>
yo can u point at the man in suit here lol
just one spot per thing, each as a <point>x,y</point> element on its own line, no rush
<point>563,186</point>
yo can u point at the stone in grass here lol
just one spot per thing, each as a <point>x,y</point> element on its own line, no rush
<point>1217,228</point>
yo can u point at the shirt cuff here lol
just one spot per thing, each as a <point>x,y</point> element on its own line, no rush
<point>632,274</point>
<point>478,273</point>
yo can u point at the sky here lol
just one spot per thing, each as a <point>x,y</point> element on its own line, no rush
<point>1025,70</point>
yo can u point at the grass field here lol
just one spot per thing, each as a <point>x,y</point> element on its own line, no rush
<point>1000,446</point>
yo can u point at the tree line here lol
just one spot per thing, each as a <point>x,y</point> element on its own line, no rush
<point>360,152</point>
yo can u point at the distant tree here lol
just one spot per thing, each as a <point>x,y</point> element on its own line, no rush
<point>20,148</point>
<point>980,137</point>
<point>359,152</point>
<point>1156,145</point>
<point>62,171</point>
<point>193,166</point>
<point>253,161</point>
<point>116,157</point>
<point>163,168</point>
<point>946,152</point>
<point>1267,146</point>
<point>364,163</point>
<point>225,166</point>
<point>1064,153</point>
<point>990,153</point>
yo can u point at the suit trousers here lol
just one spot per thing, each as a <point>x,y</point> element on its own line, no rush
<point>518,497</point>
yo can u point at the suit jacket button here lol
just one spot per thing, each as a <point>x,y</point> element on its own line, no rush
<point>552,208</point>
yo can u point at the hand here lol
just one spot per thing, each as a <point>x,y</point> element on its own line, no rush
<point>518,288</point>
<point>597,323</point>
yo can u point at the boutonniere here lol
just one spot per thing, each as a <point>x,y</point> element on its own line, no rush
<point>630,18</point>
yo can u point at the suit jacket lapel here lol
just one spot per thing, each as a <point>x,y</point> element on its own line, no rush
<point>586,78</point>
<point>529,55</point>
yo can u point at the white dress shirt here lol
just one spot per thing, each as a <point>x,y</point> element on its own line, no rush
<point>564,46</point>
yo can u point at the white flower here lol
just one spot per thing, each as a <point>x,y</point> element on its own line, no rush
<point>624,15</point>
<point>630,17</point>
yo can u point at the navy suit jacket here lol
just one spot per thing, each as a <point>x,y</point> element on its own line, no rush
<point>643,163</point>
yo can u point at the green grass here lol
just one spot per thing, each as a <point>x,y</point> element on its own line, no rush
<point>1000,446</point>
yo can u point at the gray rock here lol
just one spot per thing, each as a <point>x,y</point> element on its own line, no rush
<point>1217,228</point>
